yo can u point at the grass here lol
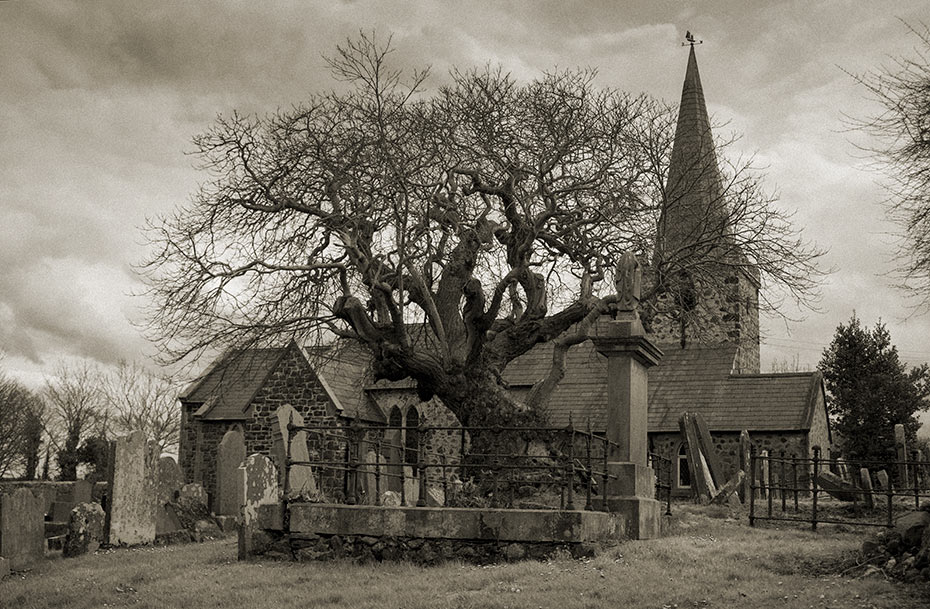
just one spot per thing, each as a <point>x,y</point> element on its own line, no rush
<point>708,560</point>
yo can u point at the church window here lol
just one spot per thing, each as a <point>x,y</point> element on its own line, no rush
<point>681,466</point>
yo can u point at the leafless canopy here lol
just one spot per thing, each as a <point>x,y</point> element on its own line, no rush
<point>448,233</point>
<point>902,130</point>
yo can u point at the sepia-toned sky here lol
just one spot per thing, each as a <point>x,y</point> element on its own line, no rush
<point>100,100</point>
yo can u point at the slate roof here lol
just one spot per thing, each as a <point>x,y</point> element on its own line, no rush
<point>696,379</point>
<point>227,387</point>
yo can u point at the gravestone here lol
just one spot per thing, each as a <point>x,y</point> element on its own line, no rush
<point>900,444</point>
<point>85,529</point>
<point>745,447</point>
<point>169,481</point>
<point>710,452</point>
<point>368,481</point>
<point>300,477</point>
<point>884,482</point>
<point>193,493</point>
<point>83,492</point>
<point>765,474</point>
<point>836,487</point>
<point>865,481</point>
<point>22,528</point>
<point>229,456</point>
<point>257,486</point>
<point>131,476</point>
<point>702,479</point>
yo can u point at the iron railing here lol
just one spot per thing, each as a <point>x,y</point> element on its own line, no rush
<point>561,468</point>
<point>792,483</point>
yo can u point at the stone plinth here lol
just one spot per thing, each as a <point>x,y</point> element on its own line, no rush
<point>631,494</point>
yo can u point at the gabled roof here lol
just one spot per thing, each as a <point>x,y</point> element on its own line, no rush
<point>228,386</point>
<point>697,379</point>
<point>343,370</point>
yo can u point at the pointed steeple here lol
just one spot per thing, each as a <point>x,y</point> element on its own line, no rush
<point>694,210</point>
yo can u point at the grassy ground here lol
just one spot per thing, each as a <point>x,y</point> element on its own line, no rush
<point>708,560</point>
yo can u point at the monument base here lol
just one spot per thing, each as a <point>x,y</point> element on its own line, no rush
<point>630,480</point>
<point>642,517</point>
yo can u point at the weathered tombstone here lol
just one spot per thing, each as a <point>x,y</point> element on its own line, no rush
<point>843,471</point>
<point>411,486</point>
<point>193,492</point>
<point>865,481</point>
<point>390,499</point>
<point>367,491</point>
<point>22,528</point>
<point>710,452</point>
<point>836,487</point>
<point>745,447</point>
<point>300,477</point>
<point>85,529</point>
<point>131,477</point>
<point>167,489</point>
<point>728,489</point>
<point>229,456</point>
<point>900,443</point>
<point>257,486</point>
<point>702,483</point>
<point>884,482</point>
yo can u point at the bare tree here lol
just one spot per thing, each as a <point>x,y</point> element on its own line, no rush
<point>902,130</point>
<point>75,412</point>
<point>21,415</point>
<point>137,399</point>
<point>446,233</point>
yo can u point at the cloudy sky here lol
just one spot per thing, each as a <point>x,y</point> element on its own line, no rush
<point>101,99</point>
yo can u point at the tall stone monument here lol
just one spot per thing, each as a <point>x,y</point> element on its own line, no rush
<point>631,490</point>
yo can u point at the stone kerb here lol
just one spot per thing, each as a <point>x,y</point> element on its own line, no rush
<point>22,528</point>
<point>131,476</point>
<point>229,456</point>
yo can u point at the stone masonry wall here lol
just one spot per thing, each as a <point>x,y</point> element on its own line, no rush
<point>729,314</point>
<point>294,382</point>
<point>791,443</point>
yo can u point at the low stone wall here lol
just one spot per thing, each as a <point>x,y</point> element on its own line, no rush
<point>428,535</point>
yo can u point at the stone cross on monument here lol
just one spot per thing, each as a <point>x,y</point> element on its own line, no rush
<point>629,353</point>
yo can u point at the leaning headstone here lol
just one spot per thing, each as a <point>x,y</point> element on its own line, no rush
<point>229,456</point>
<point>300,477</point>
<point>745,446</point>
<point>169,481</point>
<point>258,485</point>
<point>702,483</point>
<point>193,493</point>
<point>728,489</point>
<point>22,528</point>
<point>883,481</point>
<point>900,444</point>
<point>865,481</point>
<point>836,487</point>
<point>85,529</point>
<point>131,477</point>
<point>710,451</point>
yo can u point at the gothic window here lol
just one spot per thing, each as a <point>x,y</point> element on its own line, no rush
<point>395,419</point>
<point>681,466</point>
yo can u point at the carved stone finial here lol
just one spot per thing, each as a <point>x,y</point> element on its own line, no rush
<point>628,281</point>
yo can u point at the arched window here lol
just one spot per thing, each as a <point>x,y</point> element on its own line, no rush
<point>411,424</point>
<point>395,418</point>
<point>681,465</point>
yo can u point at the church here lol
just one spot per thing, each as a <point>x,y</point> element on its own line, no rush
<point>711,362</point>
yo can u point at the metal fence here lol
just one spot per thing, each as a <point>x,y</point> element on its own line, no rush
<point>562,468</point>
<point>793,489</point>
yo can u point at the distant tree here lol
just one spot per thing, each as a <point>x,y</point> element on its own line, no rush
<point>871,390</point>
<point>138,399</point>
<point>76,411</point>
<point>792,365</point>
<point>902,130</point>
<point>95,453</point>
<point>21,426</point>
<point>445,233</point>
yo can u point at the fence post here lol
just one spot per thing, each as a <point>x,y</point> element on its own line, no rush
<point>752,486</point>
<point>814,488</point>
<point>445,483</point>
<point>781,480</point>
<point>286,517</point>
<point>352,448</point>
<point>916,480</point>
<point>587,502</point>
<point>570,504</point>
<point>794,481</point>
<point>421,464</point>
<point>606,445</point>
<point>378,472</point>
<point>767,467</point>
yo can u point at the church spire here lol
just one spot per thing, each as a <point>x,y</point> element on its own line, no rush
<point>694,211</point>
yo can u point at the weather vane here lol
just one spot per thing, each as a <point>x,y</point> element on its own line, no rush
<point>690,38</point>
